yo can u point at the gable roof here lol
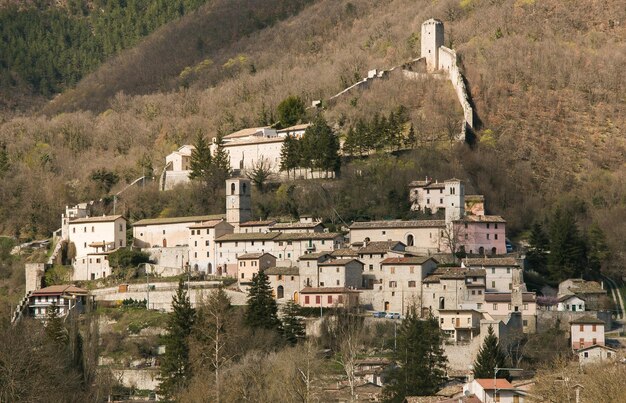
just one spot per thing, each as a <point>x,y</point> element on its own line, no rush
<point>491,261</point>
<point>570,296</point>
<point>314,256</point>
<point>580,350</point>
<point>286,271</point>
<point>408,260</point>
<point>379,246</point>
<point>248,236</point>
<point>342,252</point>
<point>207,224</point>
<point>250,131</point>
<point>453,273</point>
<point>60,290</point>
<point>398,224</point>
<point>587,320</point>
<point>489,384</point>
<point>105,218</point>
<point>250,256</point>
<point>338,262</point>
<point>178,220</point>
<point>506,297</point>
<point>483,218</point>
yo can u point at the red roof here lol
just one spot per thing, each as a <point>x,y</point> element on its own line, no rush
<point>488,384</point>
<point>327,290</point>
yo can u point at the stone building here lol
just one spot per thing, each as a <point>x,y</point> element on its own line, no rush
<point>285,283</point>
<point>453,288</point>
<point>400,284</point>
<point>501,272</point>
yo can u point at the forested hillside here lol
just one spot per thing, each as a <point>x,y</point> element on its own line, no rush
<point>546,79</point>
<point>48,46</point>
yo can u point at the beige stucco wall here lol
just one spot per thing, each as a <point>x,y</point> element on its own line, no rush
<point>425,239</point>
<point>83,234</point>
<point>147,236</point>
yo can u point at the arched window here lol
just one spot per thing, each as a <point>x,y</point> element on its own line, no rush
<point>366,240</point>
<point>410,240</point>
<point>493,250</point>
<point>442,303</point>
<point>280,292</point>
<point>232,188</point>
<point>481,251</point>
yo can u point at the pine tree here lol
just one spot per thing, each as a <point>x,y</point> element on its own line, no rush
<point>289,157</point>
<point>221,162</point>
<point>262,311</point>
<point>292,325</point>
<point>599,251</point>
<point>489,357</point>
<point>201,161</point>
<point>411,138</point>
<point>420,357</point>
<point>55,329</point>
<point>175,365</point>
<point>537,256</point>
<point>568,255</point>
<point>291,111</point>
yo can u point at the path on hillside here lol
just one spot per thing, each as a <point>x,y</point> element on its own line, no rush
<point>617,296</point>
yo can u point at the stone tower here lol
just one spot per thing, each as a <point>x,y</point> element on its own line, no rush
<point>454,200</point>
<point>238,201</point>
<point>432,40</point>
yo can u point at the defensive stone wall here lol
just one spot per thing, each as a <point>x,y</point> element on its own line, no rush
<point>448,63</point>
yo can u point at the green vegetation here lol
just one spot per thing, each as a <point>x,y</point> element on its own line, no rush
<point>292,326</point>
<point>52,47</point>
<point>261,310</point>
<point>489,357</point>
<point>422,363</point>
<point>291,111</point>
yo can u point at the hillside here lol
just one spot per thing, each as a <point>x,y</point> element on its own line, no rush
<point>545,77</point>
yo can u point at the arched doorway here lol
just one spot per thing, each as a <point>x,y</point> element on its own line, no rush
<point>386,306</point>
<point>410,240</point>
<point>232,188</point>
<point>493,250</point>
<point>210,269</point>
<point>164,243</point>
<point>295,297</point>
<point>280,292</point>
<point>481,251</point>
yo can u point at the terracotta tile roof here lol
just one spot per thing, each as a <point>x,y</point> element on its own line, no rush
<point>326,290</point>
<point>60,290</point>
<point>249,256</point>
<point>338,262</point>
<point>491,261</point>
<point>506,297</point>
<point>489,384</point>
<point>587,320</point>
<point>286,271</point>
<point>297,236</point>
<point>407,260</point>
<point>314,256</point>
<point>595,346</point>
<point>379,246</point>
<point>106,218</point>
<point>453,273</point>
<point>398,224</point>
<point>178,220</point>
<point>483,218</point>
<point>296,225</point>
<point>257,223</point>
<point>206,224</point>
<point>248,236</point>
<point>250,131</point>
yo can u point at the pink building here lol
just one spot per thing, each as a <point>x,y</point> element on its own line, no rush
<point>482,235</point>
<point>586,332</point>
<point>328,297</point>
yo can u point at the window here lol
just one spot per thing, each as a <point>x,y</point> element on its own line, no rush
<point>280,277</point>
<point>510,307</point>
<point>340,299</point>
<point>371,267</point>
<point>193,232</point>
<point>495,226</point>
<point>306,299</point>
<point>525,307</point>
<point>384,232</point>
<point>427,201</point>
<point>74,230</point>
<point>493,270</point>
<point>442,321</point>
<point>493,284</point>
<point>318,299</point>
<point>412,270</point>
<point>241,275</point>
<point>330,299</point>
<point>393,270</point>
<point>466,237</point>
<point>337,282</point>
<point>487,236</point>
<point>473,292</point>
<point>195,243</point>
<point>479,306</point>
<point>337,269</point>
<point>510,286</point>
<point>581,342</point>
<point>593,328</point>
<point>291,278</point>
<point>427,191</point>
<point>508,270</point>
<point>163,232</point>
<point>444,286</point>
<point>206,243</point>
<point>93,229</point>
<point>411,284</point>
<point>495,307</point>
<point>594,341</point>
<point>495,236</point>
<point>440,201</point>
<point>480,292</point>
<point>288,255</point>
<point>586,354</point>
<point>487,227</point>
<point>252,243</point>
<point>525,322</point>
<point>582,328</point>
<point>207,232</point>
<point>208,254</point>
<point>321,269</point>
<point>392,284</point>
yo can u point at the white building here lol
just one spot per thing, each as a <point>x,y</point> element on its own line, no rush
<point>202,246</point>
<point>177,168</point>
<point>490,391</point>
<point>167,232</point>
<point>596,354</point>
<point>586,332</point>
<point>345,273</point>
<point>422,236</point>
<point>571,303</point>
<point>64,297</point>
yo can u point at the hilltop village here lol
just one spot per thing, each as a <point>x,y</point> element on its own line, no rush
<point>453,267</point>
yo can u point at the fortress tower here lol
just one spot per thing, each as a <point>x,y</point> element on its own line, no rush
<point>454,200</point>
<point>238,201</point>
<point>432,40</point>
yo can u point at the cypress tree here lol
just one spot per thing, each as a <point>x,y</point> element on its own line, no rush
<point>289,156</point>
<point>55,329</point>
<point>489,357</point>
<point>568,256</point>
<point>262,311</point>
<point>220,165</point>
<point>200,162</point>
<point>293,328</point>
<point>175,364</point>
<point>420,357</point>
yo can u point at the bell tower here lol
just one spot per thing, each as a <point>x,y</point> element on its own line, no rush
<point>238,201</point>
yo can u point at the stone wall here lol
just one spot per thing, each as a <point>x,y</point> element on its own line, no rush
<point>34,273</point>
<point>448,62</point>
<point>168,261</point>
<point>144,379</point>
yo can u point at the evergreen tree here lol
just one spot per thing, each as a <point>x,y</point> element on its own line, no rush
<point>320,148</point>
<point>293,327</point>
<point>568,256</point>
<point>350,144</point>
<point>289,155</point>
<point>411,138</point>
<point>420,357</point>
<point>55,329</point>
<point>362,135</point>
<point>4,159</point>
<point>599,251</point>
<point>291,111</point>
<point>489,357</point>
<point>537,256</point>
<point>175,365</point>
<point>220,163</point>
<point>262,311</point>
<point>201,161</point>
